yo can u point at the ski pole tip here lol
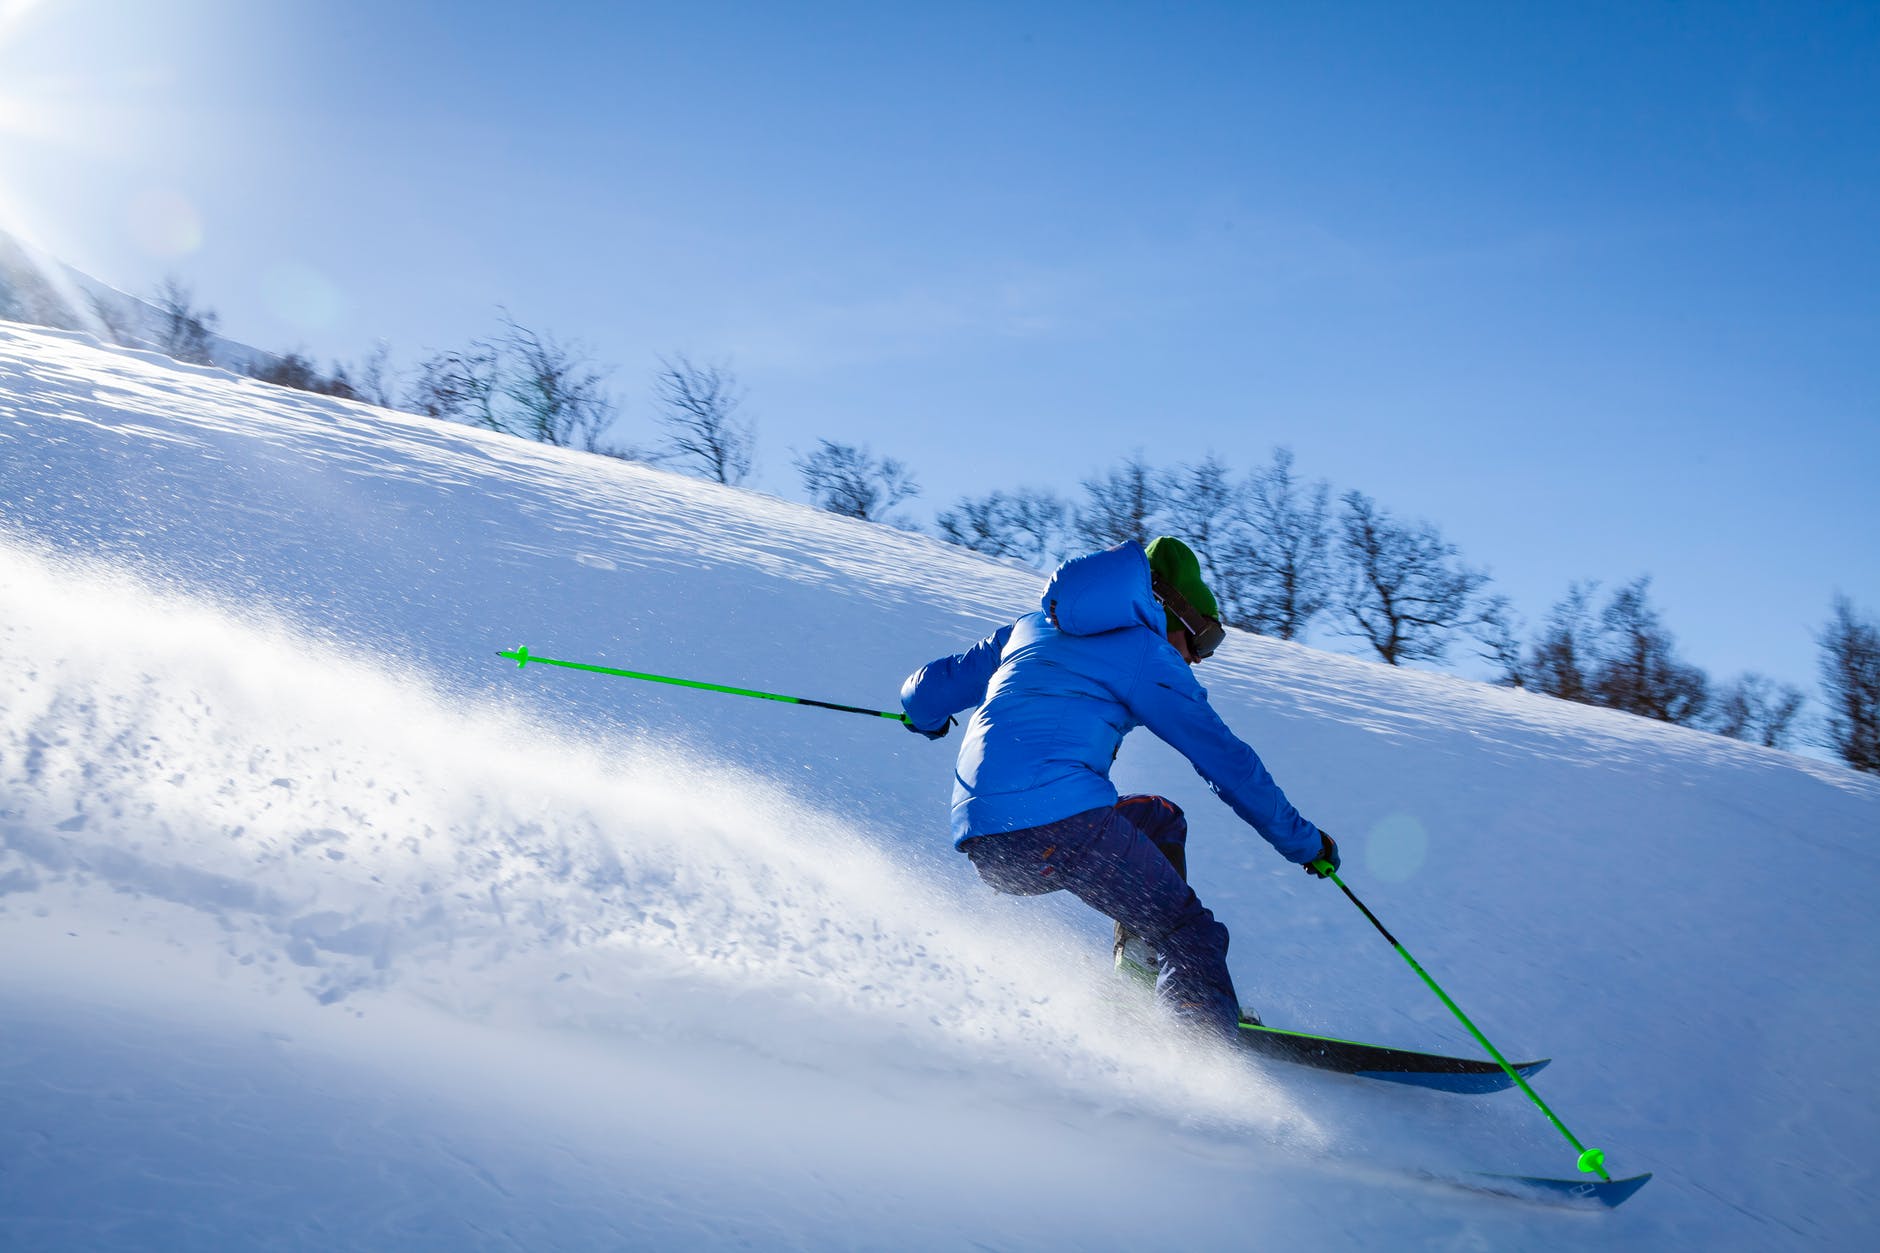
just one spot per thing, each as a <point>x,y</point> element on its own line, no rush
<point>1593,1162</point>
<point>520,656</point>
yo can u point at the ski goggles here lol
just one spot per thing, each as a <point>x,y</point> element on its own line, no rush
<point>1205,634</point>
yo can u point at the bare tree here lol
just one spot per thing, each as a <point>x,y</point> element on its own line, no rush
<point>851,481</point>
<point>557,396</point>
<point>520,383</point>
<point>298,371</point>
<point>1498,631</point>
<point>116,318</point>
<point>1028,525</point>
<point>1277,566</point>
<point>1561,661</point>
<point>1758,709</point>
<point>1405,590</point>
<point>1639,671</point>
<point>697,406</point>
<point>1040,522</point>
<point>1125,504</point>
<point>1200,506</point>
<point>977,524</point>
<point>378,382</point>
<point>459,385</point>
<point>184,331</point>
<point>338,384</point>
<point>1850,683</point>
<point>293,370</point>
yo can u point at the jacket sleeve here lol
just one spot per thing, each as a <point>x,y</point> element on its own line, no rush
<point>942,688</point>
<point>1167,699</point>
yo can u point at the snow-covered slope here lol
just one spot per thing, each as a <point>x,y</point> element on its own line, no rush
<point>324,927</point>
<point>39,289</point>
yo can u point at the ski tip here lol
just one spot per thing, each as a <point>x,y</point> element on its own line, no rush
<point>1581,1193</point>
<point>1464,1082</point>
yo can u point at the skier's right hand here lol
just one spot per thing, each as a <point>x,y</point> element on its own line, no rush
<point>940,734</point>
<point>1328,853</point>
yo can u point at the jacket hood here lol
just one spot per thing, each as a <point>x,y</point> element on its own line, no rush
<point>1104,591</point>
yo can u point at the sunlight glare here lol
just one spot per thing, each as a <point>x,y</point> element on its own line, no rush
<point>13,13</point>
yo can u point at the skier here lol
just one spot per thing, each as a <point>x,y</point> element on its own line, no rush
<point>1110,649</point>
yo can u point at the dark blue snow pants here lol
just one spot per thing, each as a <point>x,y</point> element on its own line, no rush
<point>1122,862</point>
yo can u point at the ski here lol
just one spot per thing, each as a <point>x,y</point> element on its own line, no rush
<point>1579,1193</point>
<point>1376,1061</point>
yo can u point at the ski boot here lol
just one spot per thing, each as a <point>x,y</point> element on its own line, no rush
<point>1135,960</point>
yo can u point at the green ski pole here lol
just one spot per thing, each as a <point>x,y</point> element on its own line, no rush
<point>522,657</point>
<point>1592,1161</point>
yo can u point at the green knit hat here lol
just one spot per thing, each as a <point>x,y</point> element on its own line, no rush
<point>1181,569</point>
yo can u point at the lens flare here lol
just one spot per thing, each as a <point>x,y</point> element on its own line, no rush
<point>13,13</point>
<point>164,223</point>
<point>303,296</point>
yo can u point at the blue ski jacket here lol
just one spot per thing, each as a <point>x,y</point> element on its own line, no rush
<point>1058,690</point>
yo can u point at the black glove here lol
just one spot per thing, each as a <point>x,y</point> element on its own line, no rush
<point>940,734</point>
<point>1328,852</point>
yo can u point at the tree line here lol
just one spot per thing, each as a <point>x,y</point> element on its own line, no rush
<point>1283,557</point>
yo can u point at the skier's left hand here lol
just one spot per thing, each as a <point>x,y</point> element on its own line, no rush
<point>938,734</point>
<point>1328,852</point>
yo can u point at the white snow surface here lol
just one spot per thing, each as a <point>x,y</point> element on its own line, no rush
<point>321,926</point>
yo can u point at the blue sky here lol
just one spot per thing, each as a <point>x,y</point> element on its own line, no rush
<point>1590,286</point>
